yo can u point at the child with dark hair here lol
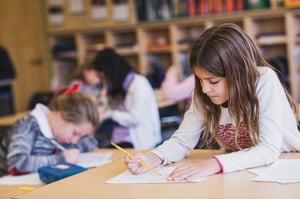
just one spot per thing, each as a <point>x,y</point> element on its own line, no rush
<point>32,142</point>
<point>89,81</point>
<point>132,102</point>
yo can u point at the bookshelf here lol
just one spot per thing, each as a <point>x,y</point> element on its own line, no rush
<point>276,31</point>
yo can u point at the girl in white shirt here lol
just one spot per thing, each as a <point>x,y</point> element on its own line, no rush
<point>131,100</point>
<point>238,100</point>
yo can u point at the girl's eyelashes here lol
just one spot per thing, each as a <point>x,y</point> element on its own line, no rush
<point>211,81</point>
<point>214,81</point>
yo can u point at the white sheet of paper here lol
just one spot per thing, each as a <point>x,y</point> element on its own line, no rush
<point>282,171</point>
<point>89,160</point>
<point>148,177</point>
<point>86,160</point>
<point>28,179</point>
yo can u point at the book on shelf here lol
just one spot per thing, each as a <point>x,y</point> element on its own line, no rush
<point>98,10</point>
<point>239,5</point>
<point>56,15</point>
<point>292,3</point>
<point>165,9</point>
<point>120,10</point>
<point>218,7</point>
<point>192,8</point>
<point>257,4</point>
<point>176,8</point>
<point>141,10</point>
<point>203,9</point>
<point>151,10</point>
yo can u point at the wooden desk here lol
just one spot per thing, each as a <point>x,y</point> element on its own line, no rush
<point>12,191</point>
<point>7,121</point>
<point>11,119</point>
<point>236,185</point>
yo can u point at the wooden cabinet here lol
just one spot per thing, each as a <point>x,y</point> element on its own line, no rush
<point>276,32</point>
<point>22,36</point>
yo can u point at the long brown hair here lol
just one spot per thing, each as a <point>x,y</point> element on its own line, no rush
<point>226,51</point>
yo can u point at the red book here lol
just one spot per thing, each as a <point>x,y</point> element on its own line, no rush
<point>218,6</point>
<point>239,5</point>
<point>204,7</point>
<point>229,5</point>
<point>211,6</point>
<point>192,7</point>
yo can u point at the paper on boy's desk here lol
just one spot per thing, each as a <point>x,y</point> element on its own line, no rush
<point>28,179</point>
<point>86,160</point>
<point>282,171</point>
<point>89,160</point>
<point>148,177</point>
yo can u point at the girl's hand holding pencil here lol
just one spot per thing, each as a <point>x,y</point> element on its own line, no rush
<point>141,162</point>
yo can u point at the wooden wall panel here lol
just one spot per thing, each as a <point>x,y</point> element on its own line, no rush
<point>21,32</point>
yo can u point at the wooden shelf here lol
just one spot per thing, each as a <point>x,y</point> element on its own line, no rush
<point>127,51</point>
<point>271,40</point>
<point>92,36</point>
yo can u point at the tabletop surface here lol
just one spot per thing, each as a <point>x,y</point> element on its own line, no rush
<point>237,185</point>
<point>13,191</point>
<point>11,119</point>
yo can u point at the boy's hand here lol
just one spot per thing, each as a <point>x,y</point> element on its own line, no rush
<point>71,155</point>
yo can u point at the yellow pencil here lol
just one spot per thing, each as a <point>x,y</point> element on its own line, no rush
<point>140,161</point>
<point>23,188</point>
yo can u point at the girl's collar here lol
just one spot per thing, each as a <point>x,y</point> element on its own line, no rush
<point>40,113</point>
<point>128,79</point>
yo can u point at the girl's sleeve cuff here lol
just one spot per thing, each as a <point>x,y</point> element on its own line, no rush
<point>220,164</point>
<point>161,156</point>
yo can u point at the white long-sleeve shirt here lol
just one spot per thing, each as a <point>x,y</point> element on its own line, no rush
<point>141,117</point>
<point>277,123</point>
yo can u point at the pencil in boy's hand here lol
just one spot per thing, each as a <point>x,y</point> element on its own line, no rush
<point>139,161</point>
<point>57,145</point>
